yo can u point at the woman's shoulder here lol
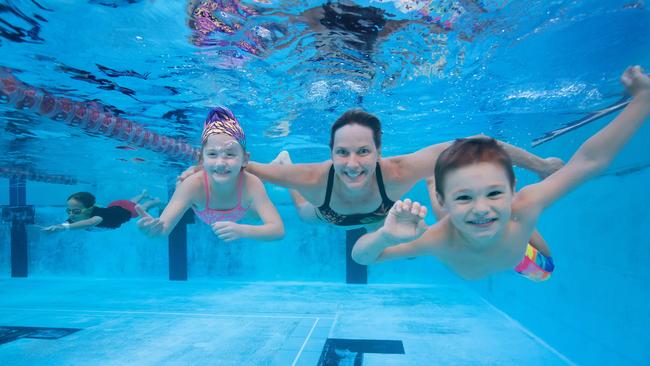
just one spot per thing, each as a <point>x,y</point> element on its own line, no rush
<point>317,171</point>
<point>392,170</point>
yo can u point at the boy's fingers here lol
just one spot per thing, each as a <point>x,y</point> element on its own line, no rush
<point>407,204</point>
<point>415,209</point>
<point>423,211</point>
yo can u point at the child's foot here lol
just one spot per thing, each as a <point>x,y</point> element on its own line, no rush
<point>144,194</point>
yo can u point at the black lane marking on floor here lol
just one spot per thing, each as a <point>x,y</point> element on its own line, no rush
<point>10,333</point>
<point>339,351</point>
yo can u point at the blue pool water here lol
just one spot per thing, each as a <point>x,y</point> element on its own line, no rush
<point>512,69</point>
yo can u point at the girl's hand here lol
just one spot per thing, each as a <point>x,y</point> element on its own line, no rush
<point>405,221</point>
<point>149,225</point>
<point>636,81</point>
<point>228,231</point>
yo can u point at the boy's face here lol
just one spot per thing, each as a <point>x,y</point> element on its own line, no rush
<point>478,198</point>
<point>76,210</point>
<point>223,157</point>
<point>354,155</point>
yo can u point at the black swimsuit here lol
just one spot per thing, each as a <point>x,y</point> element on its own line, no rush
<point>326,214</point>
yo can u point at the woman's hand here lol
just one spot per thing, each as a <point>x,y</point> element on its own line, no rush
<point>551,165</point>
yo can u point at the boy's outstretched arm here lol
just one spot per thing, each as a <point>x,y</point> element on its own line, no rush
<point>405,222</point>
<point>82,224</point>
<point>595,154</point>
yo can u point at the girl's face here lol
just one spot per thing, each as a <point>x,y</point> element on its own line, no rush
<point>354,155</point>
<point>76,210</point>
<point>223,157</point>
<point>478,198</point>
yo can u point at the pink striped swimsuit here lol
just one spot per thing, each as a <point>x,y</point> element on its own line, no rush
<point>210,216</point>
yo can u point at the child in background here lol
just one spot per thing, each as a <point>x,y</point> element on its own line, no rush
<point>221,193</point>
<point>488,224</point>
<point>83,214</point>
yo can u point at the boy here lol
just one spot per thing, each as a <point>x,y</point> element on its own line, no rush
<point>488,226</point>
<point>83,214</point>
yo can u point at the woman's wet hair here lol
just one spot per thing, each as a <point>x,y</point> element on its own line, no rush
<point>469,151</point>
<point>359,117</point>
<point>86,199</point>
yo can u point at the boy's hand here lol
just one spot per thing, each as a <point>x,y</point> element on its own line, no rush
<point>551,165</point>
<point>148,224</point>
<point>189,171</point>
<point>53,228</point>
<point>405,221</point>
<point>636,81</point>
<point>228,231</point>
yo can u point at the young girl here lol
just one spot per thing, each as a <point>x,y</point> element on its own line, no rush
<point>83,214</point>
<point>487,226</point>
<point>221,193</point>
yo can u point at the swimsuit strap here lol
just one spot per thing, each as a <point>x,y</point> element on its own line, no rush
<point>240,188</point>
<point>328,192</point>
<point>380,183</point>
<point>330,184</point>
<point>206,185</point>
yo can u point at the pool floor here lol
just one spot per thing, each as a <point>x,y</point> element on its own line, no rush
<point>200,322</point>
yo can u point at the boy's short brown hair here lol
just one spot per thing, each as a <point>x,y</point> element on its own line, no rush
<point>469,151</point>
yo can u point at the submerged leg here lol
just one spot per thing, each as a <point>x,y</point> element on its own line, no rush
<point>140,197</point>
<point>149,204</point>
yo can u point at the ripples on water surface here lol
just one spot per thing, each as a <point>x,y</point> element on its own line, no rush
<point>430,70</point>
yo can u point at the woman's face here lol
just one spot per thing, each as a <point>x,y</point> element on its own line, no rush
<point>354,155</point>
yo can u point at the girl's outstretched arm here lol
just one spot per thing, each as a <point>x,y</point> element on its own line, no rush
<point>179,203</point>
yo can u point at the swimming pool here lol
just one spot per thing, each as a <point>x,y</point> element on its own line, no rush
<point>513,70</point>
